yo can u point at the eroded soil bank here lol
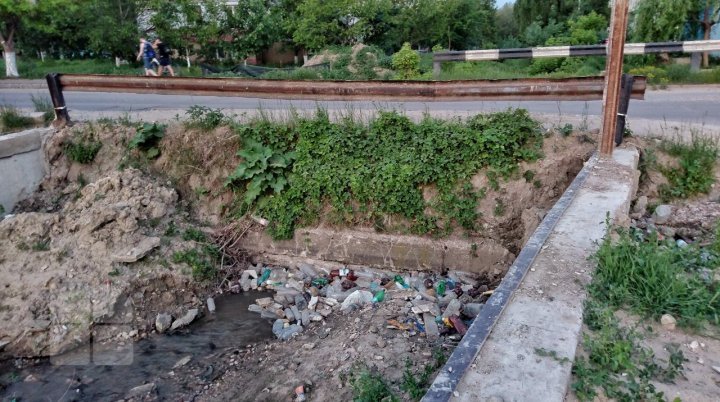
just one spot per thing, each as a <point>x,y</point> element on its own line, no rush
<point>107,245</point>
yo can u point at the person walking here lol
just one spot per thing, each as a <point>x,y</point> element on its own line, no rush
<point>148,55</point>
<point>164,52</point>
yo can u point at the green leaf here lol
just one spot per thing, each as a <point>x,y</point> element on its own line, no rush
<point>153,153</point>
<point>279,184</point>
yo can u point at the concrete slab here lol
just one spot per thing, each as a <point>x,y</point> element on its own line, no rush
<point>544,315</point>
<point>22,165</point>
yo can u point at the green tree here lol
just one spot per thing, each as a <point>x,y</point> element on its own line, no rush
<point>253,26</point>
<point>113,27</point>
<point>14,16</point>
<point>544,11</point>
<point>661,20</point>
<point>506,28</point>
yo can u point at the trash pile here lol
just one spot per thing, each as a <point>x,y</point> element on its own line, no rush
<point>426,303</point>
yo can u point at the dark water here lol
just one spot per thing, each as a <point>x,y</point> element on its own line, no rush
<point>141,362</point>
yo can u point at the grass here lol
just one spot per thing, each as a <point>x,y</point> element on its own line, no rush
<point>694,173</point>
<point>34,68</point>
<point>44,106</point>
<point>369,386</point>
<point>83,146</point>
<point>648,277</point>
<point>12,120</point>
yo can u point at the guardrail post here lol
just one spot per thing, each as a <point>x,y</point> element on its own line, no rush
<point>437,68</point>
<point>695,61</point>
<point>625,92</point>
<point>613,75</point>
<point>55,87</point>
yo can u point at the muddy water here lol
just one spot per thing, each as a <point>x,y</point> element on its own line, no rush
<point>152,358</point>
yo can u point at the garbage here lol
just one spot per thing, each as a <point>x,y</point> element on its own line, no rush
<point>211,304</point>
<point>431,327</point>
<point>379,296</point>
<point>472,310</point>
<point>285,333</point>
<point>300,394</point>
<point>356,299</point>
<point>440,290</point>
<point>458,324</point>
<point>452,309</point>
<point>185,320</point>
<point>265,275</point>
<point>162,322</point>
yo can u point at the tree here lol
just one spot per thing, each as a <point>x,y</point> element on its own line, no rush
<point>113,27</point>
<point>710,11</point>
<point>544,11</point>
<point>506,27</point>
<point>661,20</point>
<point>14,15</point>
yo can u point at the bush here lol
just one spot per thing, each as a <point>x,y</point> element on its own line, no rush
<point>204,117</point>
<point>146,139</point>
<point>406,62</point>
<point>654,75</point>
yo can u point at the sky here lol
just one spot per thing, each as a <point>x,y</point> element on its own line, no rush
<point>501,3</point>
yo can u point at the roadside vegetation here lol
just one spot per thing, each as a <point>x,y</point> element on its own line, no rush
<point>357,173</point>
<point>648,275</point>
<point>11,120</point>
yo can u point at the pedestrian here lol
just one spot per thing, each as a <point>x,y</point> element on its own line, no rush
<point>148,55</point>
<point>164,52</point>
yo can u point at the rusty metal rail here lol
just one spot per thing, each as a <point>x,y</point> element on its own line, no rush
<point>584,88</point>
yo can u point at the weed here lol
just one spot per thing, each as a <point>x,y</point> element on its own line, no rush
<point>41,245</point>
<point>529,175</point>
<point>695,173</point>
<point>537,183</point>
<point>171,229</point>
<point>473,250</point>
<point>202,261</point>
<point>22,246</point>
<point>204,117</point>
<point>201,191</point>
<point>416,385</point>
<point>43,105</point>
<point>194,235</point>
<point>499,209</point>
<point>146,139</point>
<point>566,130</point>
<point>115,272</point>
<point>369,386</point>
<point>11,119</point>
<point>552,354</point>
<point>83,146</point>
<point>261,169</point>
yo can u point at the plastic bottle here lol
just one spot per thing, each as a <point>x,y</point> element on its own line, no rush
<point>441,288</point>
<point>400,282</point>
<point>319,282</point>
<point>265,275</point>
<point>379,296</point>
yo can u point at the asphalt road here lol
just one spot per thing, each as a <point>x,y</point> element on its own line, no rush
<point>688,104</point>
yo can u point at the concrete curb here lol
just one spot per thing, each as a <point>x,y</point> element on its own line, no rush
<point>24,141</point>
<point>23,84</point>
<point>446,382</point>
<point>529,352</point>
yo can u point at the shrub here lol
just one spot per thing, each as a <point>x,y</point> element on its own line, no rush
<point>204,117</point>
<point>261,169</point>
<point>654,75</point>
<point>695,171</point>
<point>406,62</point>
<point>147,137</point>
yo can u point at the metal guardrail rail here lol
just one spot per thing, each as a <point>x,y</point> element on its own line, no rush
<point>583,88</point>
<point>575,51</point>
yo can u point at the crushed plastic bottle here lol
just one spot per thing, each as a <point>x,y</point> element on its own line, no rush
<point>379,296</point>
<point>400,282</point>
<point>319,282</point>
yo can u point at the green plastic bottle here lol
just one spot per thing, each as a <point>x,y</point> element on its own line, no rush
<point>441,288</point>
<point>399,280</point>
<point>379,296</point>
<point>265,275</point>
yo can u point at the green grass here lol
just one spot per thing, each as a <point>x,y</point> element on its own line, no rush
<point>203,261</point>
<point>11,120</point>
<point>369,386</point>
<point>35,68</point>
<point>695,171</point>
<point>83,146</point>
<point>648,277</point>
<point>44,106</point>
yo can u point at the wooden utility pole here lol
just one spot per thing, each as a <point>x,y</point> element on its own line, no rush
<point>613,74</point>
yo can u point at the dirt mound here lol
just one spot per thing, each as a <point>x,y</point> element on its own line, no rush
<point>65,272</point>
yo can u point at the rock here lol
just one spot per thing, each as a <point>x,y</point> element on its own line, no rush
<point>662,213</point>
<point>472,310</point>
<point>211,304</point>
<point>453,308</point>
<point>431,327</point>
<point>716,368</point>
<point>185,360</point>
<point>694,345</point>
<point>162,322</point>
<point>357,298</point>
<point>141,390</point>
<point>313,302</point>
<point>185,320</point>
<point>640,206</point>
<point>668,322</point>
<point>309,346</point>
<point>137,252</point>
<point>289,314</point>
<point>381,343</point>
<point>681,243</point>
<point>296,313</point>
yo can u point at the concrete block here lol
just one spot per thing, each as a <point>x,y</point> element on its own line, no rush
<point>24,141</point>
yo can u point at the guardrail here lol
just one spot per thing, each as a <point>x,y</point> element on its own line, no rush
<point>697,46</point>
<point>583,88</point>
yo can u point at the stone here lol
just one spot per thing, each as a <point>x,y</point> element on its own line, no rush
<point>289,314</point>
<point>381,343</point>
<point>137,252</point>
<point>309,346</point>
<point>668,322</point>
<point>472,310</point>
<point>452,309</point>
<point>431,327</point>
<point>141,390</point>
<point>162,322</point>
<point>313,302</point>
<point>640,206</point>
<point>185,360</point>
<point>662,213</point>
<point>296,313</point>
<point>716,368</point>
<point>185,320</point>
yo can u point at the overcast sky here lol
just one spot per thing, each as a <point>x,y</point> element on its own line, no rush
<point>500,3</point>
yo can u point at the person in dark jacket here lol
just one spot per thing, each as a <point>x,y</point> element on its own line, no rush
<point>148,55</point>
<point>164,52</point>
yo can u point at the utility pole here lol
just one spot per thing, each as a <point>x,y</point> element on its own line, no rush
<point>613,74</point>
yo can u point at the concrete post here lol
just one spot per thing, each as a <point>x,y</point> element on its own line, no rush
<point>695,62</point>
<point>436,69</point>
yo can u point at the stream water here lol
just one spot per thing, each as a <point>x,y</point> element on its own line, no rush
<point>231,326</point>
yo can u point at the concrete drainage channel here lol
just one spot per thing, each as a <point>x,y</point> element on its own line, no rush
<point>22,164</point>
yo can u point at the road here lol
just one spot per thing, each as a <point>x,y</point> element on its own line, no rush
<point>686,104</point>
